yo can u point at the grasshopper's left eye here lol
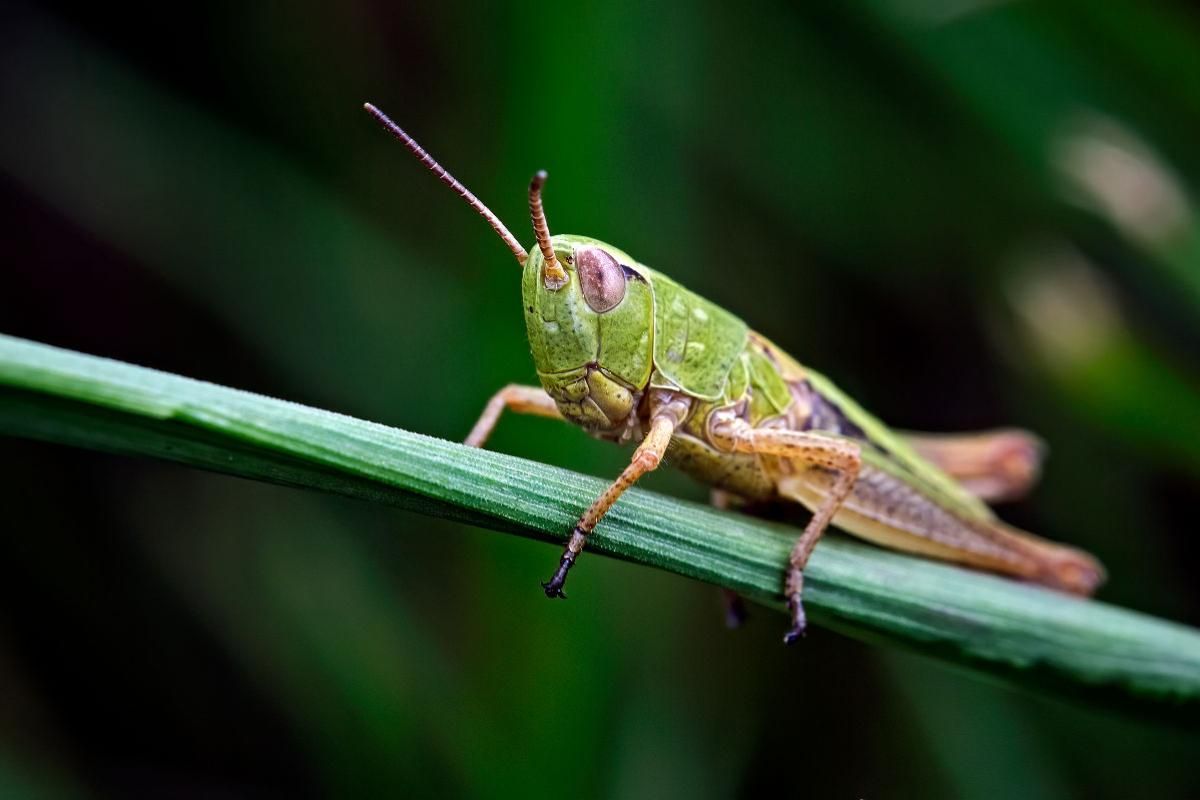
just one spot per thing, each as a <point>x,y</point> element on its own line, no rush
<point>600,278</point>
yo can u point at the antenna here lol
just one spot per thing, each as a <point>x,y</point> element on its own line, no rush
<point>445,177</point>
<point>552,271</point>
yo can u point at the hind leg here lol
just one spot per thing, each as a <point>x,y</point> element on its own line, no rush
<point>804,450</point>
<point>993,465</point>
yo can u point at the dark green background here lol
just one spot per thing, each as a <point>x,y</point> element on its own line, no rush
<point>895,191</point>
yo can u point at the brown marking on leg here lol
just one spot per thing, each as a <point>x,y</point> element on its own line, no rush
<point>993,465</point>
<point>514,397</point>
<point>809,450</point>
<point>646,458</point>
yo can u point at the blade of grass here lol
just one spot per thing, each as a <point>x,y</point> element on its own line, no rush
<point>1035,638</point>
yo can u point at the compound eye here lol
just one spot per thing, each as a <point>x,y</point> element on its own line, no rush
<point>600,277</point>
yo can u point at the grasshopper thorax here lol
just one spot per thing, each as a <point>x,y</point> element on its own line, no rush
<point>591,333</point>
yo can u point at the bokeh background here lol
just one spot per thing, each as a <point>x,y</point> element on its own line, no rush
<point>968,213</point>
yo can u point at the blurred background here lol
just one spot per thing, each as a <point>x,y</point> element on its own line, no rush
<point>970,214</point>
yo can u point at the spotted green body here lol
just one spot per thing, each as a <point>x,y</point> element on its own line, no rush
<point>614,333</point>
<point>599,366</point>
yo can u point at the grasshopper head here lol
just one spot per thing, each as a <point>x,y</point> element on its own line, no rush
<point>590,325</point>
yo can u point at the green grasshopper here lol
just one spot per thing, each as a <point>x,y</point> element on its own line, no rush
<point>628,354</point>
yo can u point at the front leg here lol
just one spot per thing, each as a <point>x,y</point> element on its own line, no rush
<point>521,399</point>
<point>646,458</point>
<point>805,450</point>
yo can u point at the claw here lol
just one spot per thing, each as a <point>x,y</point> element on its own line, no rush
<point>554,586</point>
<point>799,621</point>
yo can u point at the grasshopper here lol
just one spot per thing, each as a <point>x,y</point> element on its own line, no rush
<point>628,354</point>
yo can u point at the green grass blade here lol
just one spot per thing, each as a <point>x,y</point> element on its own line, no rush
<point>1034,637</point>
